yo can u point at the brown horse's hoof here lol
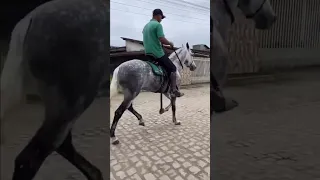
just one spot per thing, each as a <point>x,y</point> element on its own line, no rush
<point>177,123</point>
<point>161,111</point>
<point>141,124</point>
<point>115,141</point>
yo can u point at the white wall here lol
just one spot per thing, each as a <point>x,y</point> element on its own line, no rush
<point>133,46</point>
<point>202,73</point>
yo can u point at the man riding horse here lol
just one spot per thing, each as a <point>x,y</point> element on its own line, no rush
<point>153,39</point>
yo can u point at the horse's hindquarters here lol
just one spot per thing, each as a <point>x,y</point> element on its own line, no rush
<point>137,75</point>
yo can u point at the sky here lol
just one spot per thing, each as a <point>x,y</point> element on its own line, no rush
<point>186,20</point>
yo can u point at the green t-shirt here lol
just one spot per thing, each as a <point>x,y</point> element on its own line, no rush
<point>151,34</point>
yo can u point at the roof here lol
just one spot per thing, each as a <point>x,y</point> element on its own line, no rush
<point>117,49</point>
<point>121,51</point>
<point>140,53</point>
<point>175,48</point>
<point>132,40</point>
<point>202,45</point>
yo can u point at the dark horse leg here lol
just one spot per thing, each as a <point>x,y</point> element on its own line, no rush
<point>173,103</point>
<point>68,151</point>
<point>166,108</point>
<point>128,97</point>
<point>61,113</point>
<point>218,102</point>
<point>134,112</point>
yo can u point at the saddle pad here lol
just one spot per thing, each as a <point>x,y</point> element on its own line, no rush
<point>157,70</point>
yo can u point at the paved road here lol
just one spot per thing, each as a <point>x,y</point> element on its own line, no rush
<point>175,152</point>
<point>161,150</point>
<point>90,134</point>
<point>273,135</point>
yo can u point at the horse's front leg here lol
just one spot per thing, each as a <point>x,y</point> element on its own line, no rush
<point>173,103</point>
<point>168,107</point>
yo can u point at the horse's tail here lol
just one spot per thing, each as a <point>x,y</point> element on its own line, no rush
<point>12,92</point>
<point>114,83</point>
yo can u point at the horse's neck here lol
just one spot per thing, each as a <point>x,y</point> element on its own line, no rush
<point>222,19</point>
<point>177,64</point>
<point>176,61</point>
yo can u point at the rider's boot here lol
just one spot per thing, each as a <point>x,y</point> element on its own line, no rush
<point>174,88</point>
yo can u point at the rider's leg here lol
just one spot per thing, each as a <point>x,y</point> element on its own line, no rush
<point>172,70</point>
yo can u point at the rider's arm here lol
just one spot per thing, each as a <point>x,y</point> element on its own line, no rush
<point>164,41</point>
<point>161,37</point>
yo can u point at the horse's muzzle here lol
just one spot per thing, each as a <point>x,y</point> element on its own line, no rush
<point>192,68</point>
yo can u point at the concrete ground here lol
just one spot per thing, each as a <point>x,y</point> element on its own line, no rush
<point>90,135</point>
<point>162,150</point>
<point>274,134</point>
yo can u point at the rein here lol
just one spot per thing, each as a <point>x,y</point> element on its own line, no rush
<point>178,58</point>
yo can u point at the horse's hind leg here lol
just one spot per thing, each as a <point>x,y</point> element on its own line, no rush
<point>134,112</point>
<point>59,118</point>
<point>49,136</point>
<point>117,115</point>
<point>127,100</point>
<point>68,151</point>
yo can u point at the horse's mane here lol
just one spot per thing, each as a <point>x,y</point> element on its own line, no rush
<point>173,55</point>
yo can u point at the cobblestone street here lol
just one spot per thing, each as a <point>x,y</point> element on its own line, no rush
<point>273,135</point>
<point>175,152</point>
<point>90,135</point>
<point>162,150</point>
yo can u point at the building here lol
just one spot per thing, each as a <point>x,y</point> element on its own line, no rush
<point>201,47</point>
<point>293,41</point>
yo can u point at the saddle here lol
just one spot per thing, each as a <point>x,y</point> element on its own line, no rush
<point>158,70</point>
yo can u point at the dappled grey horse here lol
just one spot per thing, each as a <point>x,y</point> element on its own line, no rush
<point>64,45</point>
<point>136,75</point>
<point>222,16</point>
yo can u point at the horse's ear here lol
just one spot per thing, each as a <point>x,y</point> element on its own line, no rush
<point>188,46</point>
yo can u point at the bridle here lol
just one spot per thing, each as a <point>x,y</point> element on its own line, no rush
<point>249,16</point>
<point>180,60</point>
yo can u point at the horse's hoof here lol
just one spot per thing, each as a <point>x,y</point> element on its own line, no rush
<point>115,141</point>
<point>177,123</point>
<point>161,111</point>
<point>141,123</point>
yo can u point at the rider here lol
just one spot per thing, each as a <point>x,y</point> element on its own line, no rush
<point>153,38</point>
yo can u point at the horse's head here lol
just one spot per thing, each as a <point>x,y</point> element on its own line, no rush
<point>260,11</point>
<point>188,60</point>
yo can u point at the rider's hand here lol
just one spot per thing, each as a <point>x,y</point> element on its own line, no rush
<point>171,45</point>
